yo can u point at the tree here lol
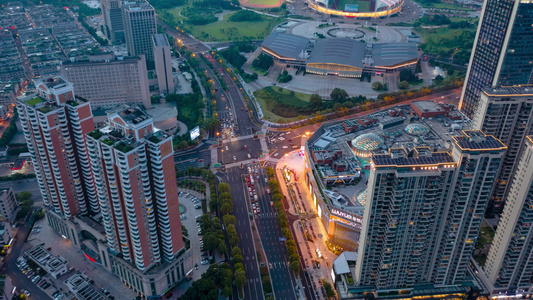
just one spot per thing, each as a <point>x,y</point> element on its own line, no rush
<point>403,85</point>
<point>234,241</point>
<point>236,251</point>
<point>329,290</point>
<point>263,61</point>
<point>225,208</point>
<point>223,188</point>
<point>438,79</point>
<point>25,195</point>
<point>339,95</point>
<point>211,241</point>
<point>295,267</point>
<point>240,278</point>
<point>315,101</point>
<point>237,259</point>
<point>222,248</point>
<point>229,219</point>
<point>377,86</point>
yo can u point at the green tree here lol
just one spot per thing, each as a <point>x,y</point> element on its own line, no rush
<point>377,86</point>
<point>237,259</point>
<point>403,85</point>
<point>211,241</point>
<point>25,195</point>
<point>225,208</point>
<point>229,219</point>
<point>329,289</point>
<point>339,95</point>
<point>240,278</point>
<point>315,101</point>
<point>295,267</point>
<point>236,251</point>
<point>223,188</point>
<point>221,247</point>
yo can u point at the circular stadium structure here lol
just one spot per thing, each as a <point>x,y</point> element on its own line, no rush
<point>357,8</point>
<point>365,144</point>
<point>417,129</point>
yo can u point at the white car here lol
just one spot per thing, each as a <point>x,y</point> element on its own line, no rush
<point>275,154</point>
<point>234,158</point>
<point>285,147</point>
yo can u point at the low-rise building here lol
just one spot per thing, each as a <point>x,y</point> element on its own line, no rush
<point>8,205</point>
<point>80,286</point>
<point>53,265</point>
<point>6,234</point>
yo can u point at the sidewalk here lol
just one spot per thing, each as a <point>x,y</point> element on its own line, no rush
<point>308,222</point>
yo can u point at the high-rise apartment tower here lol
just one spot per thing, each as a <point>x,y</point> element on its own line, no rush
<point>133,167</point>
<point>55,122</point>
<point>502,53</point>
<point>507,114</point>
<point>509,264</point>
<point>423,212</point>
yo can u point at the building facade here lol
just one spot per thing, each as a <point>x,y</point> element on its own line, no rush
<point>139,26</point>
<point>108,81</point>
<point>112,15</point>
<point>423,212</point>
<point>502,50</point>
<point>509,263</point>
<point>8,205</point>
<point>54,123</point>
<point>133,167</point>
<point>507,114</point>
<point>163,64</point>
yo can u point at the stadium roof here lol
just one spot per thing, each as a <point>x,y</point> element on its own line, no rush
<point>285,45</point>
<point>338,51</point>
<point>391,54</point>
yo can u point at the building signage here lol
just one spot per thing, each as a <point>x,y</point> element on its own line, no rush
<point>346,216</point>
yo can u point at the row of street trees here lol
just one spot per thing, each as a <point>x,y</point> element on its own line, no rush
<point>294,258</point>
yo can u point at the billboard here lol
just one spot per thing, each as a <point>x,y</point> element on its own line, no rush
<point>195,132</point>
<point>351,7</point>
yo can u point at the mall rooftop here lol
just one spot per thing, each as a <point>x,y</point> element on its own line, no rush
<point>399,127</point>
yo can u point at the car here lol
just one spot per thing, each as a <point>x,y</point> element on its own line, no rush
<point>268,191</point>
<point>253,205</point>
<point>251,194</point>
<point>285,147</point>
<point>271,203</point>
<point>234,158</point>
<point>266,180</point>
<point>258,210</point>
<point>180,194</point>
<point>245,147</point>
<point>255,211</point>
<point>204,262</point>
<point>276,154</point>
<point>198,206</point>
<point>204,254</point>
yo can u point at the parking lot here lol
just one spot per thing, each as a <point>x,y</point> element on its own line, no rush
<point>188,220</point>
<point>76,261</point>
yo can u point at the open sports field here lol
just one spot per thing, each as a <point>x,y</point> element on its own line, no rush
<point>261,3</point>
<point>364,6</point>
<point>226,30</point>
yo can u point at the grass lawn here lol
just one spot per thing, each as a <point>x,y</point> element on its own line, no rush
<point>442,5</point>
<point>262,2</point>
<point>176,13</point>
<point>486,235</point>
<point>444,40</point>
<point>283,97</point>
<point>226,30</point>
<point>259,71</point>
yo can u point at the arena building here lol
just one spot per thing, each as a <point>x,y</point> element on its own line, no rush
<point>357,8</point>
<point>340,56</point>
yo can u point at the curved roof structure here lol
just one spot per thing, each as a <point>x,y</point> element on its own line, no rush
<point>393,54</point>
<point>338,51</point>
<point>284,45</point>
<point>367,142</point>
<point>417,129</point>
